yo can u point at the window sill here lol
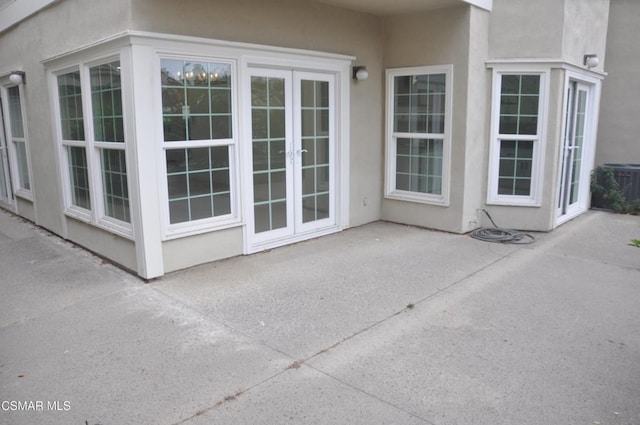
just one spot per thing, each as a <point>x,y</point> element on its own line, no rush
<point>421,198</point>
<point>515,201</point>
<point>189,229</point>
<point>25,195</point>
<point>106,224</point>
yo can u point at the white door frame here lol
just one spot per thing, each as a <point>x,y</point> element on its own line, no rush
<point>564,211</point>
<point>335,69</point>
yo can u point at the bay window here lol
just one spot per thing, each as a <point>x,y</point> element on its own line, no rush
<point>198,141</point>
<point>93,149</point>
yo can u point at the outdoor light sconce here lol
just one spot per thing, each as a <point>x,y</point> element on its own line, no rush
<point>360,73</point>
<point>18,77</point>
<point>591,61</point>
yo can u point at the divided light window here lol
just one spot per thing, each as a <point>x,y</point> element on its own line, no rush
<point>418,135</point>
<point>517,128</point>
<point>94,148</point>
<point>17,137</point>
<point>197,120</point>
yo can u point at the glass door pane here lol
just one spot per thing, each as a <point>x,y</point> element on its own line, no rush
<point>315,132</point>
<point>577,145</point>
<point>269,148</point>
<point>5,186</point>
<point>571,198</point>
<point>314,142</point>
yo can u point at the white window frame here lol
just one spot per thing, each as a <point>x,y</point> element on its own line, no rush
<point>233,219</point>
<point>96,215</point>
<point>391,192</point>
<point>539,139</point>
<point>14,165</point>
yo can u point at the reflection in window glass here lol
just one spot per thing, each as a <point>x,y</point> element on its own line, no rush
<point>196,100</point>
<point>114,180</point>
<point>519,104</point>
<point>16,135</point>
<point>418,119</point>
<point>70,98</point>
<point>106,101</point>
<point>79,174</point>
<point>516,159</point>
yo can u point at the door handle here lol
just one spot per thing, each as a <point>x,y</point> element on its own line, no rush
<point>301,151</point>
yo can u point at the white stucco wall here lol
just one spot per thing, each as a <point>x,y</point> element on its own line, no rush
<point>619,129</point>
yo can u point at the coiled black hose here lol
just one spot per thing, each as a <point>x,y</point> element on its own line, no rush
<point>501,235</point>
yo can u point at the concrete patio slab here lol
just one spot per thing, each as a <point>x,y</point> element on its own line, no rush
<point>42,273</point>
<point>304,298</point>
<point>382,324</point>
<point>542,338</point>
<point>307,397</point>
<point>131,357</point>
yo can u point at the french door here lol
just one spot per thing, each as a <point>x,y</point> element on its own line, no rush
<point>574,180</point>
<point>292,165</point>
<point>6,192</point>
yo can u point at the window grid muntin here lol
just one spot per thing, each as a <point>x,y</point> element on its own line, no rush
<point>539,76</point>
<point>519,104</point>
<point>516,170</point>
<point>79,177</point>
<point>435,107</point>
<point>184,198</point>
<point>70,102</point>
<point>315,150</point>
<point>419,103</point>
<point>115,184</point>
<point>15,112</point>
<point>17,136</point>
<point>220,109</point>
<point>23,167</point>
<point>105,87</point>
<point>581,114</point>
<point>419,164</point>
<point>273,201</point>
<point>187,80</point>
<point>106,101</point>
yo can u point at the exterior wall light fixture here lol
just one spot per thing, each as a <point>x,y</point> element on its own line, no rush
<point>360,73</point>
<point>591,61</point>
<point>18,77</point>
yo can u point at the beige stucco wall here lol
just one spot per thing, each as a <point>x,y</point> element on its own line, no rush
<point>187,252</point>
<point>24,46</point>
<point>619,129</point>
<point>101,242</point>
<point>526,29</point>
<point>476,153</point>
<point>302,25</point>
<point>562,31</point>
<point>585,30</point>
<point>548,29</point>
<point>25,208</point>
<point>434,38</point>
